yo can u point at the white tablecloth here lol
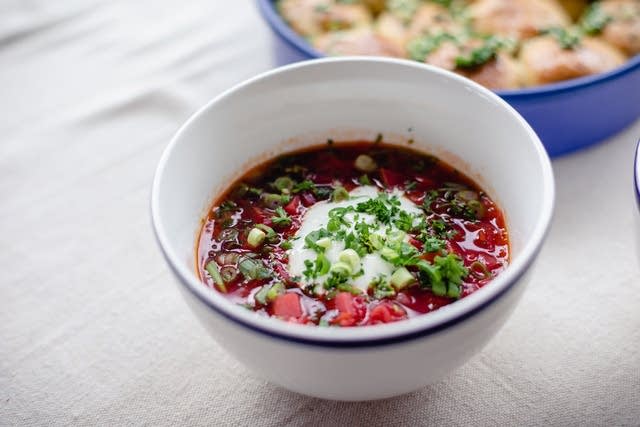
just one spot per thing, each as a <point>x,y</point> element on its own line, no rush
<point>92,331</point>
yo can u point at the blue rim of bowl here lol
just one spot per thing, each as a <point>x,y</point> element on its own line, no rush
<point>298,42</point>
<point>636,174</point>
<point>198,289</point>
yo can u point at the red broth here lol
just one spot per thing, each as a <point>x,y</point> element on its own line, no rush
<point>451,243</point>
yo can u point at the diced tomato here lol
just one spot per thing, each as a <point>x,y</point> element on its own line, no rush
<point>344,303</point>
<point>391,178</point>
<point>287,306</point>
<point>386,312</point>
<point>292,207</point>
<point>351,309</point>
<point>259,216</point>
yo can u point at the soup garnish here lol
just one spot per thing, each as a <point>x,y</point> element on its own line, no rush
<point>351,234</point>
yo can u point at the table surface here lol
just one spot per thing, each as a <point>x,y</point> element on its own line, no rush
<point>92,329</point>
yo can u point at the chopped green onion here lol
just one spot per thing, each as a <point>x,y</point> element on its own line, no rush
<point>228,273</point>
<point>284,184</point>
<point>268,230</point>
<point>253,270</point>
<point>389,254</point>
<point>339,194</point>
<point>256,237</point>
<point>212,269</point>
<point>274,200</point>
<point>341,268</point>
<point>376,241</point>
<point>261,295</point>
<point>453,291</point>
<point>324,242</point>
<point>350,257</point>
<point>401,278</point>
<point>322,265</point>
<point>365,163</point>
<point>281,218</point>
<point>276,290</point>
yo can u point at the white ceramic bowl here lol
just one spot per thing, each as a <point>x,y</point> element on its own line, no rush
<point>349,98</point>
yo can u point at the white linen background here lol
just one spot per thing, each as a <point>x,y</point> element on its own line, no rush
<point>94,332</point>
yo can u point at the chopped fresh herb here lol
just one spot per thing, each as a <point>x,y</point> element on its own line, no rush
<point>252,269</point>
<point>423,46</point>
<point>441,229</point>
<point>404,221</point>
<point>567,39</point>
<point>364,180</point>
<point>382,207</point>
<point>381,287</point>
<point>286,245</point>
<point>401,278</point>
<point>256,237</point>
<point>311,239</point>
<point>227,206</point>
<point>594,19</point>
<point>212,269</point>
<point>482,54</point>
<point>309,269</point>
<point>378,138</point>
<point>433,244</point>
<point>330,141</point>
<point>335,279</point>
<point>403,9</point>
<point>254,191</point>
<point>270,233</point>
<point>261,295</point>
<point>305,185</point>
<point>282,219</point>
<point>274,200</point>
<point>429,198</point>
<point>284,184</point>
<point>453,272</point>
<point>351,258</point>
<point>339,194</point>
<point>323,192</point>
<point>410,185</point>
<point>322,265</point>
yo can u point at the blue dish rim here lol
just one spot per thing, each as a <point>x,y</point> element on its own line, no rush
<point>277,23</point>
<point>636,174</point>
<point>197,290</point>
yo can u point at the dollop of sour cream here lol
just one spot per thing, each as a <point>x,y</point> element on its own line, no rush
<point>372,265</point>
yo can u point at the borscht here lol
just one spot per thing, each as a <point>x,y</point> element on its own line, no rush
<point>351,234</point>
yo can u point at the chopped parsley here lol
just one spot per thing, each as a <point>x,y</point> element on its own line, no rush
<point>423,46</point>
<point>566,39</point>
<point>282,219</point>
<point>305,185</point>
<point>481,55</point>
<point>594,19</point>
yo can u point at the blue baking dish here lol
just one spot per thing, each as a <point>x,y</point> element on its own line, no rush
<point>567,116</point>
